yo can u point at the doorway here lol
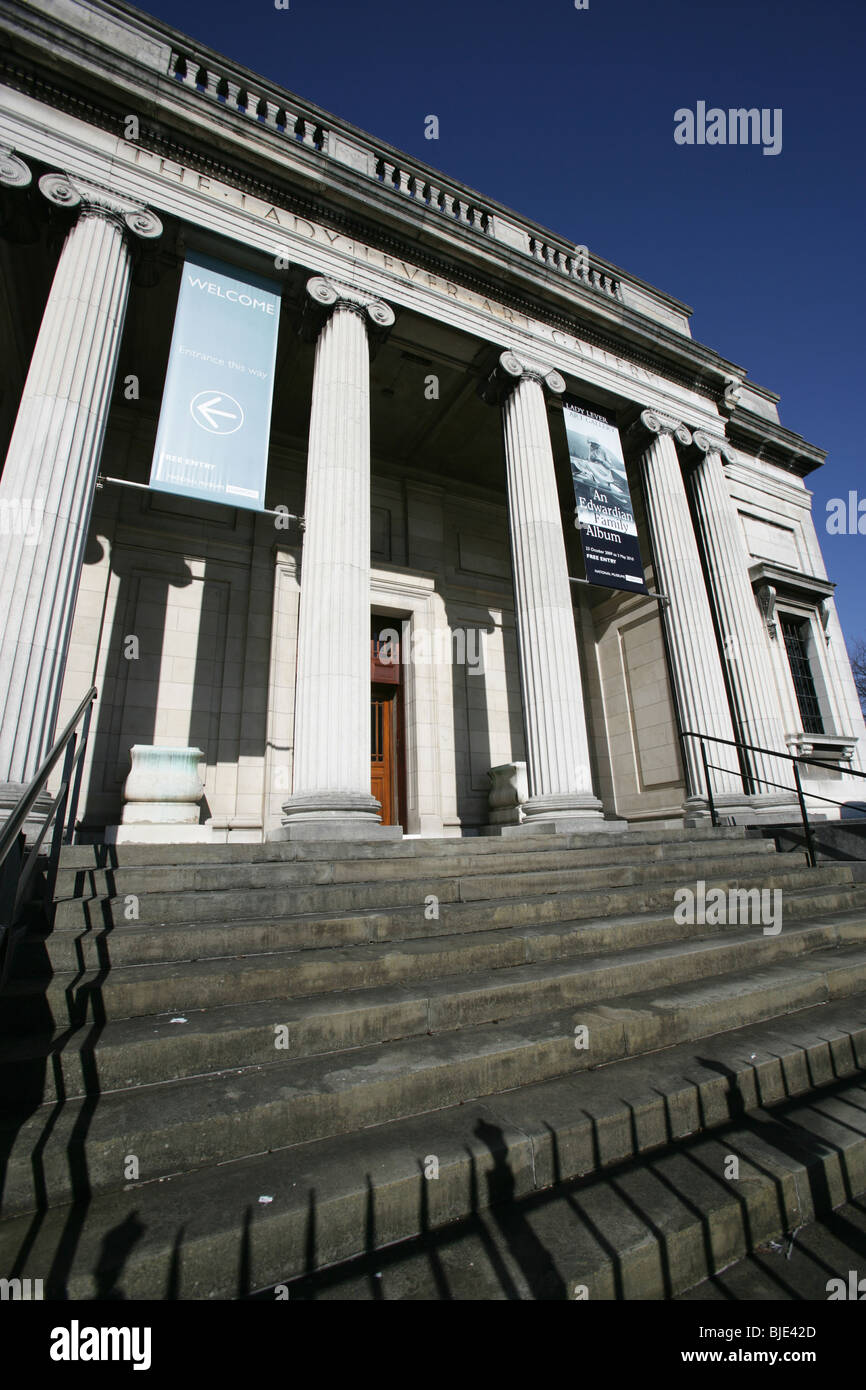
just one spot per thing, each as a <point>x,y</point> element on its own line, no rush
<point>387,740</point>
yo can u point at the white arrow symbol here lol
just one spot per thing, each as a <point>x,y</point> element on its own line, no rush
<point>203,409</point>
<point>206,408</point>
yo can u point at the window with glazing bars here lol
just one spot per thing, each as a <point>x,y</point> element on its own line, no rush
<point>377,731</point>
<point>796,634</point>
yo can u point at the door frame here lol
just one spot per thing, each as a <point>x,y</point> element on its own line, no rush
<point>410,602</point>
<point>397,747</point>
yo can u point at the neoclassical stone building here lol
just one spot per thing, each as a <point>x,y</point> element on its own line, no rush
<point>405,606</point>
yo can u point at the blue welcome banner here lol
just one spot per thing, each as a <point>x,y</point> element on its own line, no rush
<point>215,421</point>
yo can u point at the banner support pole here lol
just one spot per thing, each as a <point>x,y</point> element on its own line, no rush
<point>145,487</point>
<point>650,593</point>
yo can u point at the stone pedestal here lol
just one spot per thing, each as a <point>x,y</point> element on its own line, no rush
<point>52,464</point>
<point>557,751</point>
<point>331,796</point>
<point>162,795</point>
<point>509,791</point>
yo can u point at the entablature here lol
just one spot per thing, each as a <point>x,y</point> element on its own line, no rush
<point>97,59</point>
<point>193,105</point>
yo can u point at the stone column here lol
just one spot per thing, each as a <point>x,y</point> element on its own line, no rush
<point>749,668</point>
<point>331,796</point>
<point>696,669</point>
<point>52,465</point>
<point>557,750</point>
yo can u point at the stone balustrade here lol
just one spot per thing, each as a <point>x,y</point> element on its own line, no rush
<point>407,180</point>
<point>565,259</point>
<point>221,89</point>
<point>433,196</point>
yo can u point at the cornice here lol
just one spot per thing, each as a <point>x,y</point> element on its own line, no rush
<point>808,586</point>
<point>152,32</point>
<point>692,375</point>
<point>765,440</point>
<point>678,357</point>
<point>63,66</point>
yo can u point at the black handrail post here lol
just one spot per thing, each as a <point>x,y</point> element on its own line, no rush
<point>60,822</point>
<point>793,759</point>
<point>79,770</point>
<point>709,785</point>
<point>19,858</point>
<point>10,872</point>
<point>811,846</point>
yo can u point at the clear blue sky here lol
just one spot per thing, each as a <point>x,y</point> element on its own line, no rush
<point>568,115</point>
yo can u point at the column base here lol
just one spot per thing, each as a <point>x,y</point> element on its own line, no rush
<point>561,825</point>
<point>578,813</point>
<point>740,809</point>
<point>773,806</point>
<point>333,816</point>
<point>730,808</point>
<point>335,830</point>
<point>10,794</point>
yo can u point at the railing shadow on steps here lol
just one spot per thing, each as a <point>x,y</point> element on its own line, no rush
<point>509,1233</point>
<point>28,877</point>
<point>20,858</point>
<point>751,776</point>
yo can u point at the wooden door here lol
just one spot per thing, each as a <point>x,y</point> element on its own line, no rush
<point>383,750</point>
<point>387,772</point>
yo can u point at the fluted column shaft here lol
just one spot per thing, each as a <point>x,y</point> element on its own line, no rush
<point>557,750</point>
<point>332,716</point>
<point>331,781</point>
<point>696,670</point>
<point>750,671</point>
<point>52,464</point>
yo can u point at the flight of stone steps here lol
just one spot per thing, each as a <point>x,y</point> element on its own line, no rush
<point>229,1067</point>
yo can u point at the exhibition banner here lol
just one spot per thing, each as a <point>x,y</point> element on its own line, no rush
<point>603,512</point>
<point>215,421</point>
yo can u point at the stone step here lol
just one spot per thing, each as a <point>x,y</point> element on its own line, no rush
<point>67,949</point>
<point>100,987</point>
<point>226,905</point>
<point>116,883</point>
<point>101,856</point>
<point>797,1267</point>
<point>146,1050</point>
<point>206,1234</point>
<point>651,1233</point>
<point>181,1125</point>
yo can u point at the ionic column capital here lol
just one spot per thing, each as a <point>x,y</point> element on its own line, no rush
<point>706,443</point>
<point>515,366</point>
<point>95,201</point>
<point>652,423</point>
<point>14,173</point>
<point>325,295</point>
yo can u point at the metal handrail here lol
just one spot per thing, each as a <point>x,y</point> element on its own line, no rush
<point>18,858</point>
<point>794,758</point>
